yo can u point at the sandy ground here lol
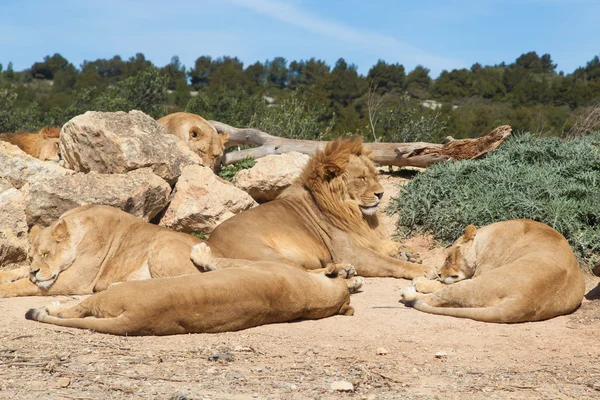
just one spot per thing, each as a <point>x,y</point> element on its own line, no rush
<point>386,351</point>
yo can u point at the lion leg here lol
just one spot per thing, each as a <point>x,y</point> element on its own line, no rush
<point>14,274</point>
<point>372,264</point>
<point>354,284</point>
<point>424,285</point>
<point>399,251</point>
<point>21,287</point>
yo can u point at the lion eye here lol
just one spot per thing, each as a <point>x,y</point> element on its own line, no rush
<point>194,134</point>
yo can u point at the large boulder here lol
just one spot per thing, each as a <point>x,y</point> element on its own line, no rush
<point>201,201</point>
<point>118,142</point>
<point>270,175</point>
<point>14,244</point>
<point>17,167</point>
<point>139,192</point>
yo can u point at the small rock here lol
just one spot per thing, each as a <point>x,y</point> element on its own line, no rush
<point>381,351</point>
<point>316,351</point>
<point>441,354</point>
<point>243,348</point>
<point>63,383</point>
<point>293,387</point>
<point>221,357</point>
<point>211,370</point>
<point>342,386</point>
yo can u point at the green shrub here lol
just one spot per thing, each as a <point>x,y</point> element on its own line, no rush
<point>545,179</point>
<point>13,118</point>
<point>229,171</point>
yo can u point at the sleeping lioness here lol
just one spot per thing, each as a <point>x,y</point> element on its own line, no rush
<point>91,247</point>
<point>225,300</point>
<point>512,271</point>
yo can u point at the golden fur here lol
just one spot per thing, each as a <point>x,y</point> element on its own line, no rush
<point>43,145</point>
<point>329,215</point>
<point>200,136</point>
<point>512,271</point>
<point>226,300</point>
<point>91,247</point>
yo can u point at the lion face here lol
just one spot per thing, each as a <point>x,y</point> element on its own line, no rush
<point>52,252</point>
<point>362,184</point>
<point>458,264</point>
<point>50,150</point>
<point>208,145</point>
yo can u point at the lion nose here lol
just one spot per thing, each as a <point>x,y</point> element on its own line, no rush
<point>33,272</point>
<point>379,195</point>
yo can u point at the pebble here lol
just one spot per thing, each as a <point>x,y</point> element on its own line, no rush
<point>293,387</point>
<point>342,386</point>
<point>381,351</point>
<point>441,354</point>
<point>63,383</point>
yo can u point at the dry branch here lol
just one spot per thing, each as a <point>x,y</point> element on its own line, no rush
<point>418,154</point>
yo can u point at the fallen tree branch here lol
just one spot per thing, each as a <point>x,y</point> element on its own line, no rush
<point>418,154</point>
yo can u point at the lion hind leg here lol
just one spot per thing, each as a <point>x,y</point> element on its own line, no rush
<point>354,284</point>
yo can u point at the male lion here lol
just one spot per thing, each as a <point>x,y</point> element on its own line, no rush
<point>43,145</point>
<point>329,215</point>
<point>230,299</point>
<point>91,247</point>
<point>512,271</point>
<point>200,136</point>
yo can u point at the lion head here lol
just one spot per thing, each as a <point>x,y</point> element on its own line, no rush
<point>200,136</point>
<point>344,184</point>
<point>458,265</point>
<point>48,146</point>
<point>53,250</point>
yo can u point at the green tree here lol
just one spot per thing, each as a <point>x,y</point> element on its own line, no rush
<point>47,68</point>
<point>389,77</point>
<point>202,72</point>
<point>174,71</point>
<point>65,79</point>
<point>277,72</point>
<point>418,82</point>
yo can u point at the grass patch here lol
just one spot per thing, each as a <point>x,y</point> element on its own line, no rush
<point>550,180</point>
<point>229,171</point>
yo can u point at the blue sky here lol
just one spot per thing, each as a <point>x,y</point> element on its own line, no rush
<point>437,34</point>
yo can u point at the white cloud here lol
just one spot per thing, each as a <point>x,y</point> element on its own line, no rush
<point>385,47</point>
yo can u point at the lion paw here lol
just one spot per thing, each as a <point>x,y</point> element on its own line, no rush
<point>53,308</point>
<point>354,284</point>
<point>407,294</point>
<point>424,285</point>
<point>346,272</point>
<point>409,254</point>
<point>202,257</point>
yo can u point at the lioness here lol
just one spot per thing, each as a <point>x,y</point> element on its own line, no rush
<point>43,145</point>
<point>329,215</point>
<point>91,247</point>
<point>199,135</point>
<point>512,271</point>
<point>226,300</point>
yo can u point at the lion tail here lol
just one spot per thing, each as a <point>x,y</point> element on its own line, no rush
<point>498,313</point>
<point>113,326</point>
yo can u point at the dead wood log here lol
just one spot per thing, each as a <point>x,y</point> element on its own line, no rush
<point>417,154</point>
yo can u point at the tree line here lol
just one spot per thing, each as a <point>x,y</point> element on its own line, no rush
<point>309,98</point>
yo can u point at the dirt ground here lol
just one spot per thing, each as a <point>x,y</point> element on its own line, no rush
<point>386,351</point>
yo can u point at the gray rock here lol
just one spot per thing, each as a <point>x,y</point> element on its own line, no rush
<point>17,167</point>
<point>140,193</point>
<point>119,142</point>
<point>271,175</point>
<point>201,200</point>
<point>14,244</point>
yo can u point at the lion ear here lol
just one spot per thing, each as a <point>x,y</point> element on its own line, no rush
<point>224,136</point>
<point>34,233</point>
<point>195,132</point>
<point>60,231</point>
<point>470,232</point>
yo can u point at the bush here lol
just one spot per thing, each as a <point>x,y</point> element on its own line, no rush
<point>549,180</point>
<point>13,118</point>
<point>229,171</point>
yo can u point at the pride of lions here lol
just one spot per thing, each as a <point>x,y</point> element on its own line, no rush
<point>294,257</point>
